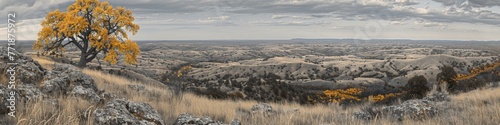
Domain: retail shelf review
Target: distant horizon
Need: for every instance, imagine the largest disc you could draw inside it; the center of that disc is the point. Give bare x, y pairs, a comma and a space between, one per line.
297, 39
461, 20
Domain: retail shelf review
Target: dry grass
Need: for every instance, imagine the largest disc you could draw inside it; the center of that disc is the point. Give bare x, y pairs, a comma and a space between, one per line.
224, 110
476, 107
45, 62
69, 111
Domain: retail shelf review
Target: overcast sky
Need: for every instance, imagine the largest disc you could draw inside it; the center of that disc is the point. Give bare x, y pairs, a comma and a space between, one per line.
286, 19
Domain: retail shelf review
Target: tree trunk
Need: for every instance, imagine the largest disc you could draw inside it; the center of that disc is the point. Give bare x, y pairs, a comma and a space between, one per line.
83, 61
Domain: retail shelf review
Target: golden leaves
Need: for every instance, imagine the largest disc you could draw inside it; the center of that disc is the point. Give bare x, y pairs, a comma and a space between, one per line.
98, 24
476, 71
337, 96
348, 95
131, 50
184, 70
111, 57
381, 97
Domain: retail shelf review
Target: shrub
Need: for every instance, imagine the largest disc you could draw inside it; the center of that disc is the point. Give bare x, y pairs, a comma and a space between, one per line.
447, 75
417, 87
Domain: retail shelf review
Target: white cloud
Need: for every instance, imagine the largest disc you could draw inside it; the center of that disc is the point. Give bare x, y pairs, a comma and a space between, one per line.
264, 13
219, 18
291, 17
288, 23
398, 23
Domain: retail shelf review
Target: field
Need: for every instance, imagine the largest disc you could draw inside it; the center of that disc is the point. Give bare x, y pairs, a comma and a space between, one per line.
475, 107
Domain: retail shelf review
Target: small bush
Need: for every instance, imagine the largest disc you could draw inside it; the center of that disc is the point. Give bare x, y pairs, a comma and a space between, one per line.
417, 87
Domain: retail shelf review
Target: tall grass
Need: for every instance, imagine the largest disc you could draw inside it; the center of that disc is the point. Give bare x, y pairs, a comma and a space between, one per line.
476, 107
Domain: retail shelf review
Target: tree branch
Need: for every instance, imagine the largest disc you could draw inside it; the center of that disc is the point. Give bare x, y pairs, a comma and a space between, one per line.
73, 40
92, 56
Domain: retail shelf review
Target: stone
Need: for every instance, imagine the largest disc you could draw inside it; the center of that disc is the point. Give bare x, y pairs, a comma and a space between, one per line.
29, 92
23, 92
86, 93
187, 118
138, 88
108, 96
363, 115
368, 113
262, 108
4, 95
415, 109
28, 71
235, 122
64, 78
438, 97
121, 111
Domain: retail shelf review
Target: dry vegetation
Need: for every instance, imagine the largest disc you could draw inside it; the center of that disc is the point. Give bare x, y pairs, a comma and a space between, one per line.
44, 62
476, 107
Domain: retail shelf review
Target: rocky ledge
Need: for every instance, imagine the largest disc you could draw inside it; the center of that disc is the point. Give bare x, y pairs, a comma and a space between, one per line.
33, 82
415, 109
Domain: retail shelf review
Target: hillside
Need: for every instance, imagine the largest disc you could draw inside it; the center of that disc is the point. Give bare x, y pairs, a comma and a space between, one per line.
476, 107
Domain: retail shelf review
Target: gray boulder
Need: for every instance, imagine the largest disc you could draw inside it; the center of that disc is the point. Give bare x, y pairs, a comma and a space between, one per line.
187, 119
262, 108
120, 112
29, 92
363, 115
86, 93
4, 103
235, 122
438, 97
138, 88
24, 92
265, 110
28, 71
415, 109
64, 78
108, 96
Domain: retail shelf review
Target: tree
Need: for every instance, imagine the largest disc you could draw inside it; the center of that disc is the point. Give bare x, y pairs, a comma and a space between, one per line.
417, 87
446, 76
93, 27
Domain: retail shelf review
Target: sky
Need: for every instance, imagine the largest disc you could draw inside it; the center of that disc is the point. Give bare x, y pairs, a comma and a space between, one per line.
285, 19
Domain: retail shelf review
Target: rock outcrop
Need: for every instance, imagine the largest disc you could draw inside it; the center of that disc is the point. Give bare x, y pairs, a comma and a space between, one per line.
69, 80
86, 93
438, 97
64, 78
27, 70
187, 118
120, 111
267, 110
26, 73
263, 108
34, 82
138, 88
415, 109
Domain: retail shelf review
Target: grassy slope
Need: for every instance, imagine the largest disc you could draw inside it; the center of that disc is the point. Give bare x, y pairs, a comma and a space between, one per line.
476, 107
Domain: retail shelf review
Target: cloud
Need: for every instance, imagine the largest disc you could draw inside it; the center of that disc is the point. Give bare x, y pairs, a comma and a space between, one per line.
219, 18
291, 17
217, 21
473, 3
30, 9
288, 23
456, 11
398, 23
370, 9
